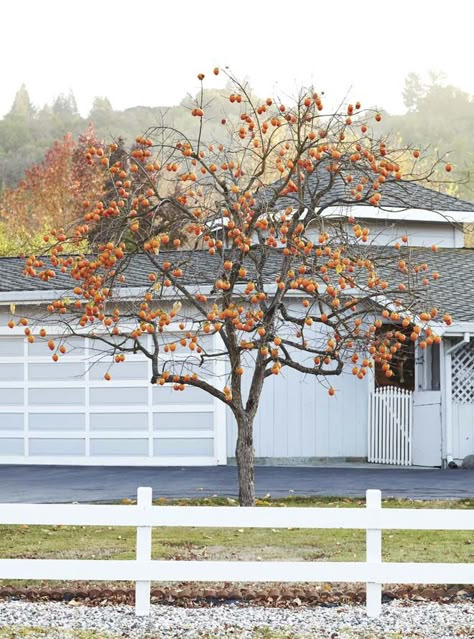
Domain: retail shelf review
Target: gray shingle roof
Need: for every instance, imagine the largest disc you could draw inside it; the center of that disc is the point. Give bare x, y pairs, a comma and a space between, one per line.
395, 193
453, 292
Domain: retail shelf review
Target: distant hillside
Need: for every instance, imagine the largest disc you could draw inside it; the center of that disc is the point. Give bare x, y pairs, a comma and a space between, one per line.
26, 133
439, 116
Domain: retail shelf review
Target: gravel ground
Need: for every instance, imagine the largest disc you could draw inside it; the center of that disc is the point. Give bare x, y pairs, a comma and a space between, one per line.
399, 620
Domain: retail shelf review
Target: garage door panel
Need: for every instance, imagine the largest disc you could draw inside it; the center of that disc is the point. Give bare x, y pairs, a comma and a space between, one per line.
183, 421
206, 342
11, 372
75, 347
96, 349
57, 421
125, 370
12, 346
49, 447
39, 348
11, 421
118, 421
56, 396
186, 364
190, 447
191, 395
119, 447
118, 396
10, 446
11, 396
54, 371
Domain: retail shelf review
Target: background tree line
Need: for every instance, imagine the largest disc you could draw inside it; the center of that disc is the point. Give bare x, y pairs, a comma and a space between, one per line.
27, 132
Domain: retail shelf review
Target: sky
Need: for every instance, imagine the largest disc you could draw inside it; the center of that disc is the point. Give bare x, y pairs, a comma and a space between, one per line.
148, 52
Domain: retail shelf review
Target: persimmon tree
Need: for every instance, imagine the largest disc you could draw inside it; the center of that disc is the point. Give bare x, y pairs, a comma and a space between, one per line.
233, 240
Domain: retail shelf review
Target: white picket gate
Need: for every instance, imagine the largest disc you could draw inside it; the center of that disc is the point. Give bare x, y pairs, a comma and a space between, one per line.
390, 426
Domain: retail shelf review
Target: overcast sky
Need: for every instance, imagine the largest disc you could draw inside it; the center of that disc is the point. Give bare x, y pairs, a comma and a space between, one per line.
148, 52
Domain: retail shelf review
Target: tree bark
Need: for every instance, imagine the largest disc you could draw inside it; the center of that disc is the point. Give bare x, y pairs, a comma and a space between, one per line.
245, 461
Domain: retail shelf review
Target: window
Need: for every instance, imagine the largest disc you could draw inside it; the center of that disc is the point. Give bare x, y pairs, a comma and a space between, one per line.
431, 378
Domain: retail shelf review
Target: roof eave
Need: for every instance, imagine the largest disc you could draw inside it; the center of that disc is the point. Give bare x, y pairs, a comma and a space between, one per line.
388, 214
459, 328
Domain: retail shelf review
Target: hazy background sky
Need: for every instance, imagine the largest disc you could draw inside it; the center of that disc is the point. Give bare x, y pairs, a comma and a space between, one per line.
148, 52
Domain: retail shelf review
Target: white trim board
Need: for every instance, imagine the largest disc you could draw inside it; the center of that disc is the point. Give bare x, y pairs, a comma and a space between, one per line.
400, 214
118, 460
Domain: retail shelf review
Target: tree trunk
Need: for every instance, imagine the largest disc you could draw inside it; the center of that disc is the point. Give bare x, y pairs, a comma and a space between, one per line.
245, 461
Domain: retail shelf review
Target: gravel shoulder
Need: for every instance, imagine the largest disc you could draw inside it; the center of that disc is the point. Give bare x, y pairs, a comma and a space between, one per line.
399, 620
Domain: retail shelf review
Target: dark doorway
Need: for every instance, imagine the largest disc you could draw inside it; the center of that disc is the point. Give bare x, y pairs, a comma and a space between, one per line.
402, 363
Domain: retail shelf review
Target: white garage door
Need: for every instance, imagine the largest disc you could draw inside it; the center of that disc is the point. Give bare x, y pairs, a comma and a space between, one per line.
66, 413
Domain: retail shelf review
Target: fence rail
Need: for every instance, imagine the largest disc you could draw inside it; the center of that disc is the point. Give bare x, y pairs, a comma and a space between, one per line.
143, 570
390, 426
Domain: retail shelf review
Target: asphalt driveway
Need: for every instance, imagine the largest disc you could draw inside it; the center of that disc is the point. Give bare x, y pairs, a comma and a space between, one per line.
66, 484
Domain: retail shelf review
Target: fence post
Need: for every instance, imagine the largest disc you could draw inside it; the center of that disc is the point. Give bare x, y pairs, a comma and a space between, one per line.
143, 553
374, 555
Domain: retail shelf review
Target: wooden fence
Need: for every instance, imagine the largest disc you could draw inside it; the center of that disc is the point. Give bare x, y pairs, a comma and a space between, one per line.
143, 570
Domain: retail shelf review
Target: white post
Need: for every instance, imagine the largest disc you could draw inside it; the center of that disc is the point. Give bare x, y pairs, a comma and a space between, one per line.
374, 555
143, 553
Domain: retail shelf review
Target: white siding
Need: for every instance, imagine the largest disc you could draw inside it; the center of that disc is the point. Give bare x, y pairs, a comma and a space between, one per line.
297, 418
426, 234
419, 234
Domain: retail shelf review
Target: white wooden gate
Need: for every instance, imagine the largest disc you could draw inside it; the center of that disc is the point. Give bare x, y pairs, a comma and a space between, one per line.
390, 426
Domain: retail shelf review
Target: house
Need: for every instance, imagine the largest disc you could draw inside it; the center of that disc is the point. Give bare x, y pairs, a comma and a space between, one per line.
66, 413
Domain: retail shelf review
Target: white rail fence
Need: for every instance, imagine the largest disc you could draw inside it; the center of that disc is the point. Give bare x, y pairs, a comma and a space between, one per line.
390, 426
144, 516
